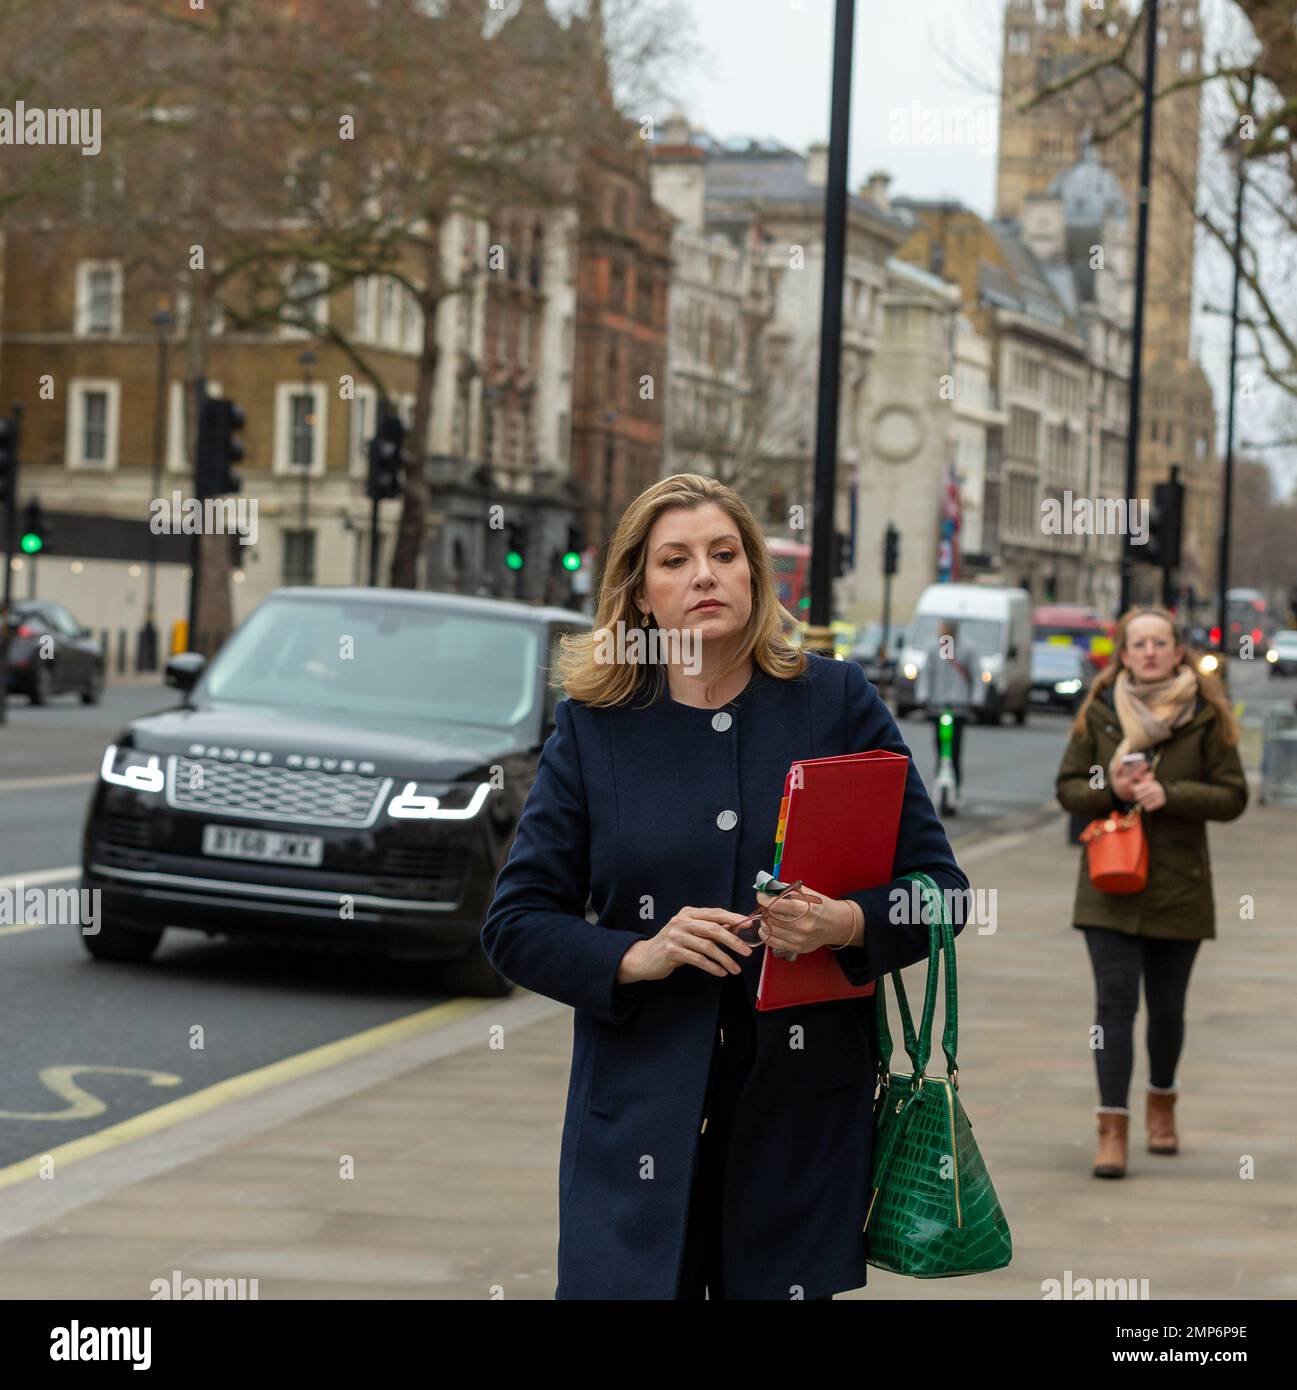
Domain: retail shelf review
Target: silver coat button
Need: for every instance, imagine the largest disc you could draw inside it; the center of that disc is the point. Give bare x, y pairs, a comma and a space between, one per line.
722, 721
727, 820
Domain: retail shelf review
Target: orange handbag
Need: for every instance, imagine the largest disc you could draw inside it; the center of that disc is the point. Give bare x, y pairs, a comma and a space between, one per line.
1117, 852
1116, 848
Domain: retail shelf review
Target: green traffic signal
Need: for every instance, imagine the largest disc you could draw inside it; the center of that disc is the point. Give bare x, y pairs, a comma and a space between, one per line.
31, 544
572, 560
804, 601
514, 560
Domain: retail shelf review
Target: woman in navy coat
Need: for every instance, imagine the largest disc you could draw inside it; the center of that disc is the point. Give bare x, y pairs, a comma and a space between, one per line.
705, 1146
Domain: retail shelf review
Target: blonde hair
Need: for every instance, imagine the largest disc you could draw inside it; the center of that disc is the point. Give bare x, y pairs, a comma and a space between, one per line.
766, 641
1209, 687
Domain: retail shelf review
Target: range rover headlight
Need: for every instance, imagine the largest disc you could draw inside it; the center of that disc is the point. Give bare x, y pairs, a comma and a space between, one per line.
412, 804
125, 767
911, 671
1068, 687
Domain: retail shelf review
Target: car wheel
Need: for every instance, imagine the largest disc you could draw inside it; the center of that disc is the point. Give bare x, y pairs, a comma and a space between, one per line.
473, 974
39, 694
1020, 716
90, 695
115, 940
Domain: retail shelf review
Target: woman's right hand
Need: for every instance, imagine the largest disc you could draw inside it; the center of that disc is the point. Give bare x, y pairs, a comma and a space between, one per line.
698, 936
1125, 778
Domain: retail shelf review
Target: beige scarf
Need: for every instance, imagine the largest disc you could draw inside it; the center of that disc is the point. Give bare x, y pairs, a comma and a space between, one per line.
1149, 710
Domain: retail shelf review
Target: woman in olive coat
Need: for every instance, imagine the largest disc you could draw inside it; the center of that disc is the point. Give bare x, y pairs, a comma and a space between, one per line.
1149, 701
708, 1149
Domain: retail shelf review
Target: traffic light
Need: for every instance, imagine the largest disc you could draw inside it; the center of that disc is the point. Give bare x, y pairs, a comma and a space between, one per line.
842, 558
891, 549
385, 462
515, 555
219, 422
575, 545
8, 459
35, 536
1165, 524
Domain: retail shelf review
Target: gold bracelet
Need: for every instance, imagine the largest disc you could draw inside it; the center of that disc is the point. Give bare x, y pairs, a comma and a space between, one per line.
854, 924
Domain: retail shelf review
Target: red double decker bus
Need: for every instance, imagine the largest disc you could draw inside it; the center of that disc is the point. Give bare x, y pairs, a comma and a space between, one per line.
791, 561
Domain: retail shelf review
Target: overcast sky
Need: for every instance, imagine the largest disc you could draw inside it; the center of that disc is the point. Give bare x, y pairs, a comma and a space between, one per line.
766, 66
764, 69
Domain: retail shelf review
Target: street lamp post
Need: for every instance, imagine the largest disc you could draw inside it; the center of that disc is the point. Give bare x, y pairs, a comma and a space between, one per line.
146, 652
306, 360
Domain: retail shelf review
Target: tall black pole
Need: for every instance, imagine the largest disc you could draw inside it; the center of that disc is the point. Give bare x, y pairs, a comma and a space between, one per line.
1141, 257
1227, 481
10, 515
819, 637
146, 658
195, 547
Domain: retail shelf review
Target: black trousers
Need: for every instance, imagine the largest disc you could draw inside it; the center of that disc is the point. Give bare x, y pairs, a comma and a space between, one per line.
956, 743
1118, 961
701, 1272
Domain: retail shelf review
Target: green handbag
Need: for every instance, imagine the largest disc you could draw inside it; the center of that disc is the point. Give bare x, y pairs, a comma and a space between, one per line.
933, 1212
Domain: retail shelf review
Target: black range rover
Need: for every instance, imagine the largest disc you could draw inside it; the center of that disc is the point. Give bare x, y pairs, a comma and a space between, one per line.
347, 772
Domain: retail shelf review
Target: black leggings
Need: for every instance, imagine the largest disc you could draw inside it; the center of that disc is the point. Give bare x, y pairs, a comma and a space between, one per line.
1118, 961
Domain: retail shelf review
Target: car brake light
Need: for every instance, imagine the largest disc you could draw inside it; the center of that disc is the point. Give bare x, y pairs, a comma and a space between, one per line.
1214, 635
26, 630
1256, 634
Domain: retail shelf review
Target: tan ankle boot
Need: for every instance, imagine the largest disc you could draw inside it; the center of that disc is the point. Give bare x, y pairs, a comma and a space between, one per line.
1114, 1128
1160, 1119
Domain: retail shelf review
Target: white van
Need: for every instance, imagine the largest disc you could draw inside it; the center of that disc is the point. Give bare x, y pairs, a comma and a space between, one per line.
996, 622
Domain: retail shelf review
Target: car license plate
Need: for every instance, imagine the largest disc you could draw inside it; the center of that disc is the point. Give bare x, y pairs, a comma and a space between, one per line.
242, 842
1039, 697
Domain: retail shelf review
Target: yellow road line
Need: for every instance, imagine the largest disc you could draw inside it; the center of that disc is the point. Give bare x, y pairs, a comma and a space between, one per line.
240, 1087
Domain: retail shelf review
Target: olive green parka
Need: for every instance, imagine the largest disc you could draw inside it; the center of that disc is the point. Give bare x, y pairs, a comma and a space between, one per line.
1204, 780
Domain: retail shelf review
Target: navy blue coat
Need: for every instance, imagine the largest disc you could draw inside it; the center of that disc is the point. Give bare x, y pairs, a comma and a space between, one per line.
626, 813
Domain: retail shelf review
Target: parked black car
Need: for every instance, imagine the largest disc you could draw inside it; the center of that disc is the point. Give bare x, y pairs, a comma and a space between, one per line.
1060, 676
51, 653
347, 773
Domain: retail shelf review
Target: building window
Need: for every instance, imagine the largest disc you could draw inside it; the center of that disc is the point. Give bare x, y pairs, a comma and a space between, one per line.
362, 298
299, 557
1024, 430
99, 299
388, 326
1188, 60
1019, 41
301, 431
93, 412
306, 304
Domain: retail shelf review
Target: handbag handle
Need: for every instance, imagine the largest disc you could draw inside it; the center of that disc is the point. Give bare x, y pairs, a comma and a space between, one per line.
941, 940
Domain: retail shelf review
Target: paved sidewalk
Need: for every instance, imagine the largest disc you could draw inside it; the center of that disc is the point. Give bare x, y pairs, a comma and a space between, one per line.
455, 1143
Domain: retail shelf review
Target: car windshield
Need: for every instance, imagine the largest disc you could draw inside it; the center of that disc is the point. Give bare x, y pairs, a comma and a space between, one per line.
982, 634
1047, 657
380, 662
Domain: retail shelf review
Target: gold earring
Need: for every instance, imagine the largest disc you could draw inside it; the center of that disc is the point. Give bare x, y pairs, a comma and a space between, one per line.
644, 620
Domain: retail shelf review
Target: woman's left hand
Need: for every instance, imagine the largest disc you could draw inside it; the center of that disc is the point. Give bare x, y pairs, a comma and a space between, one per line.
1150, 794
823, 923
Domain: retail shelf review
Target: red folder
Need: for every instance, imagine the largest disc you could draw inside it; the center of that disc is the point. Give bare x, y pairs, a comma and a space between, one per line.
837, 833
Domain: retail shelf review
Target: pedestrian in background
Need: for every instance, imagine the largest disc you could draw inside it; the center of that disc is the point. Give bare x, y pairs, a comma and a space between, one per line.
946, 684
708, 1149
1151, 701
